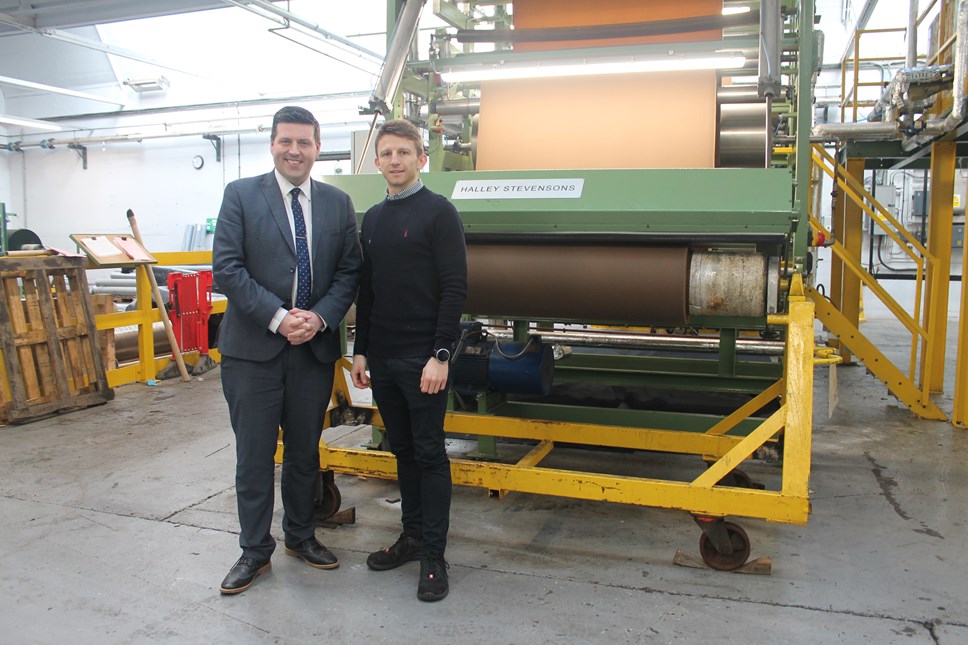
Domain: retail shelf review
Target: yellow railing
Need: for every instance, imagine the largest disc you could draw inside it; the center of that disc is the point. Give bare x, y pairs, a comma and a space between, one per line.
850, 95
879, 216
145, 316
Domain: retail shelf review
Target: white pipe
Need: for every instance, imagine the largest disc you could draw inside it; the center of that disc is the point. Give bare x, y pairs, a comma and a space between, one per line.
864, 131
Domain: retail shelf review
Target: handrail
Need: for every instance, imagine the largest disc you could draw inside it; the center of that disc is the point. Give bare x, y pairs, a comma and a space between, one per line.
878, 214
863, 192
851, 96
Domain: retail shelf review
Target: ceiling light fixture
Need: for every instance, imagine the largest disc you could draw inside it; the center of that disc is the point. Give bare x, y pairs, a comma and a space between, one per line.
16, 82
29, 123
666, 64
141, 85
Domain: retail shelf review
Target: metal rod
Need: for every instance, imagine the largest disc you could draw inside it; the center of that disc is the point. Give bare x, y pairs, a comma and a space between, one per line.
912, 34
647, 341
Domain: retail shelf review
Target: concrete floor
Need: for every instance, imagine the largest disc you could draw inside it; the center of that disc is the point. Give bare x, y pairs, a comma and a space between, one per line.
119, 523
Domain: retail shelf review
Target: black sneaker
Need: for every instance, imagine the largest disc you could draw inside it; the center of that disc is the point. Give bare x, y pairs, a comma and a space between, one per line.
433, 578
405, 549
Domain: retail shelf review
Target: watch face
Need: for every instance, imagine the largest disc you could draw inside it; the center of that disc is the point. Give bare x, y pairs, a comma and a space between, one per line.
442, 355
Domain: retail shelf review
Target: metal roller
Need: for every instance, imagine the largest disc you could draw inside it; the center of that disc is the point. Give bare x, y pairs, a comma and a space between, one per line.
743, 135
738, 94
730, 284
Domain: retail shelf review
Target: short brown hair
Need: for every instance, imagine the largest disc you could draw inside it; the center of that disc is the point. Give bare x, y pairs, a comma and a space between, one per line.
400, 128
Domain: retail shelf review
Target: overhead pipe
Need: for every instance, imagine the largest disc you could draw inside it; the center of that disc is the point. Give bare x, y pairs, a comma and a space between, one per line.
893, 97
959, 99
311, 28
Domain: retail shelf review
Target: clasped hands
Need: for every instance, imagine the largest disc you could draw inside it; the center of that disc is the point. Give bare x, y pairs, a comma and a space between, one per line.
300, 326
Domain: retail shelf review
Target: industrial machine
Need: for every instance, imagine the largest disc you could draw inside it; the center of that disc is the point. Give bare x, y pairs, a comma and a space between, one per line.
686, 282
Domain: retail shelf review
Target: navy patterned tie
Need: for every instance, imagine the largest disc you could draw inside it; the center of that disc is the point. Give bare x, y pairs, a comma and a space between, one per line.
304, 278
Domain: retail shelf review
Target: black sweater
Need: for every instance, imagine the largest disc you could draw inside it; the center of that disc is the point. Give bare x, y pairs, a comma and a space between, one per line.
414, 281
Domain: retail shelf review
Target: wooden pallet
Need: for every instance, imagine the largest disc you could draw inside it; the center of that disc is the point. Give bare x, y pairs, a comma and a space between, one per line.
51, 361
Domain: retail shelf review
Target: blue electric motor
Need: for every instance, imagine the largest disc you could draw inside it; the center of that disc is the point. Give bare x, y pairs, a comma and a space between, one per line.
512, 368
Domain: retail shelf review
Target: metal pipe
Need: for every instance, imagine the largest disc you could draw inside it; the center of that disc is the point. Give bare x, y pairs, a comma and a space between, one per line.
959, 99
207, 106
456, 107
912, 34
396, 60
864, 131
313, 29
49, 143
771, 30
648, 341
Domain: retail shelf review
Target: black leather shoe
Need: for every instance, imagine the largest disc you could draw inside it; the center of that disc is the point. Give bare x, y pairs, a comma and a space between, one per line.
241, 575
314, 553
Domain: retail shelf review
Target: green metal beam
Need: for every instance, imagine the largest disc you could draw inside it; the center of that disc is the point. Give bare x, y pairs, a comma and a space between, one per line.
686, 422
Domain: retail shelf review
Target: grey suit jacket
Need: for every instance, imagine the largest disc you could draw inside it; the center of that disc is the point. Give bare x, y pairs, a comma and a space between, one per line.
254, 264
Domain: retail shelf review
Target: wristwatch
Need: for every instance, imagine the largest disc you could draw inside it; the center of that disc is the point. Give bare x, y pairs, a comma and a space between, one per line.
442, 354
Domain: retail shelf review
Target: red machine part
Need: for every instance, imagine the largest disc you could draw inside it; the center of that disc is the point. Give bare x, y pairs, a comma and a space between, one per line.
189, 307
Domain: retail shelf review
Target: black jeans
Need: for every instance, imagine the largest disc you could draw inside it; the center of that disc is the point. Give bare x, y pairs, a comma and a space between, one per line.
415, 431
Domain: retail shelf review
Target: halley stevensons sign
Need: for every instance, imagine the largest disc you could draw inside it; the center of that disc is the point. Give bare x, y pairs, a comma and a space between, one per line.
518, 189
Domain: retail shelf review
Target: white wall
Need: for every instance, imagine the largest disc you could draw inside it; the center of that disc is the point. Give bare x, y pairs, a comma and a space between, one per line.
55, 196
6, 193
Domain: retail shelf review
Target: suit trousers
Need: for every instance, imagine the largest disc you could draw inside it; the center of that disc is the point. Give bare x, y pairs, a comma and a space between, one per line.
292, 390
415, 431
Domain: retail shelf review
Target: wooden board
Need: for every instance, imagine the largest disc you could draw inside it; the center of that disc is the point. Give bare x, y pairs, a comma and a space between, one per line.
51, 360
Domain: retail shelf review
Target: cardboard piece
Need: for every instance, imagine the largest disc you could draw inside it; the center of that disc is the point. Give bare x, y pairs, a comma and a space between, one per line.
113, 249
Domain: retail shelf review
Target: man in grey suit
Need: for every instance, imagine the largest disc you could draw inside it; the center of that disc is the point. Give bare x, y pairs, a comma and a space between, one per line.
287, 256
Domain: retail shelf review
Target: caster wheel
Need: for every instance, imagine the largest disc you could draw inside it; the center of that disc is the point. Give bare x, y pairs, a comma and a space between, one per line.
328, 498
729, 562
740, 479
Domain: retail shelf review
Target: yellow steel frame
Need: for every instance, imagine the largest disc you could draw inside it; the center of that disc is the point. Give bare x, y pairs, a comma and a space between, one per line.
145, 316
959, 415
914, 395
701, 496
940, 225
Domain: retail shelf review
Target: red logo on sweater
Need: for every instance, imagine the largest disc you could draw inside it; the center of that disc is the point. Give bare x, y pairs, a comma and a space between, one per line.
405, 232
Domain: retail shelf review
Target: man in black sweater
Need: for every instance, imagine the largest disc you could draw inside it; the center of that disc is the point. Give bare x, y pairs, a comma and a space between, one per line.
412, 293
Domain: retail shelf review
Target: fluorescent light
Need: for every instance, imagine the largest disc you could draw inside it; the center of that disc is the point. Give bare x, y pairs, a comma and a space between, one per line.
16, 82
671, 64
734, 10
29, 123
